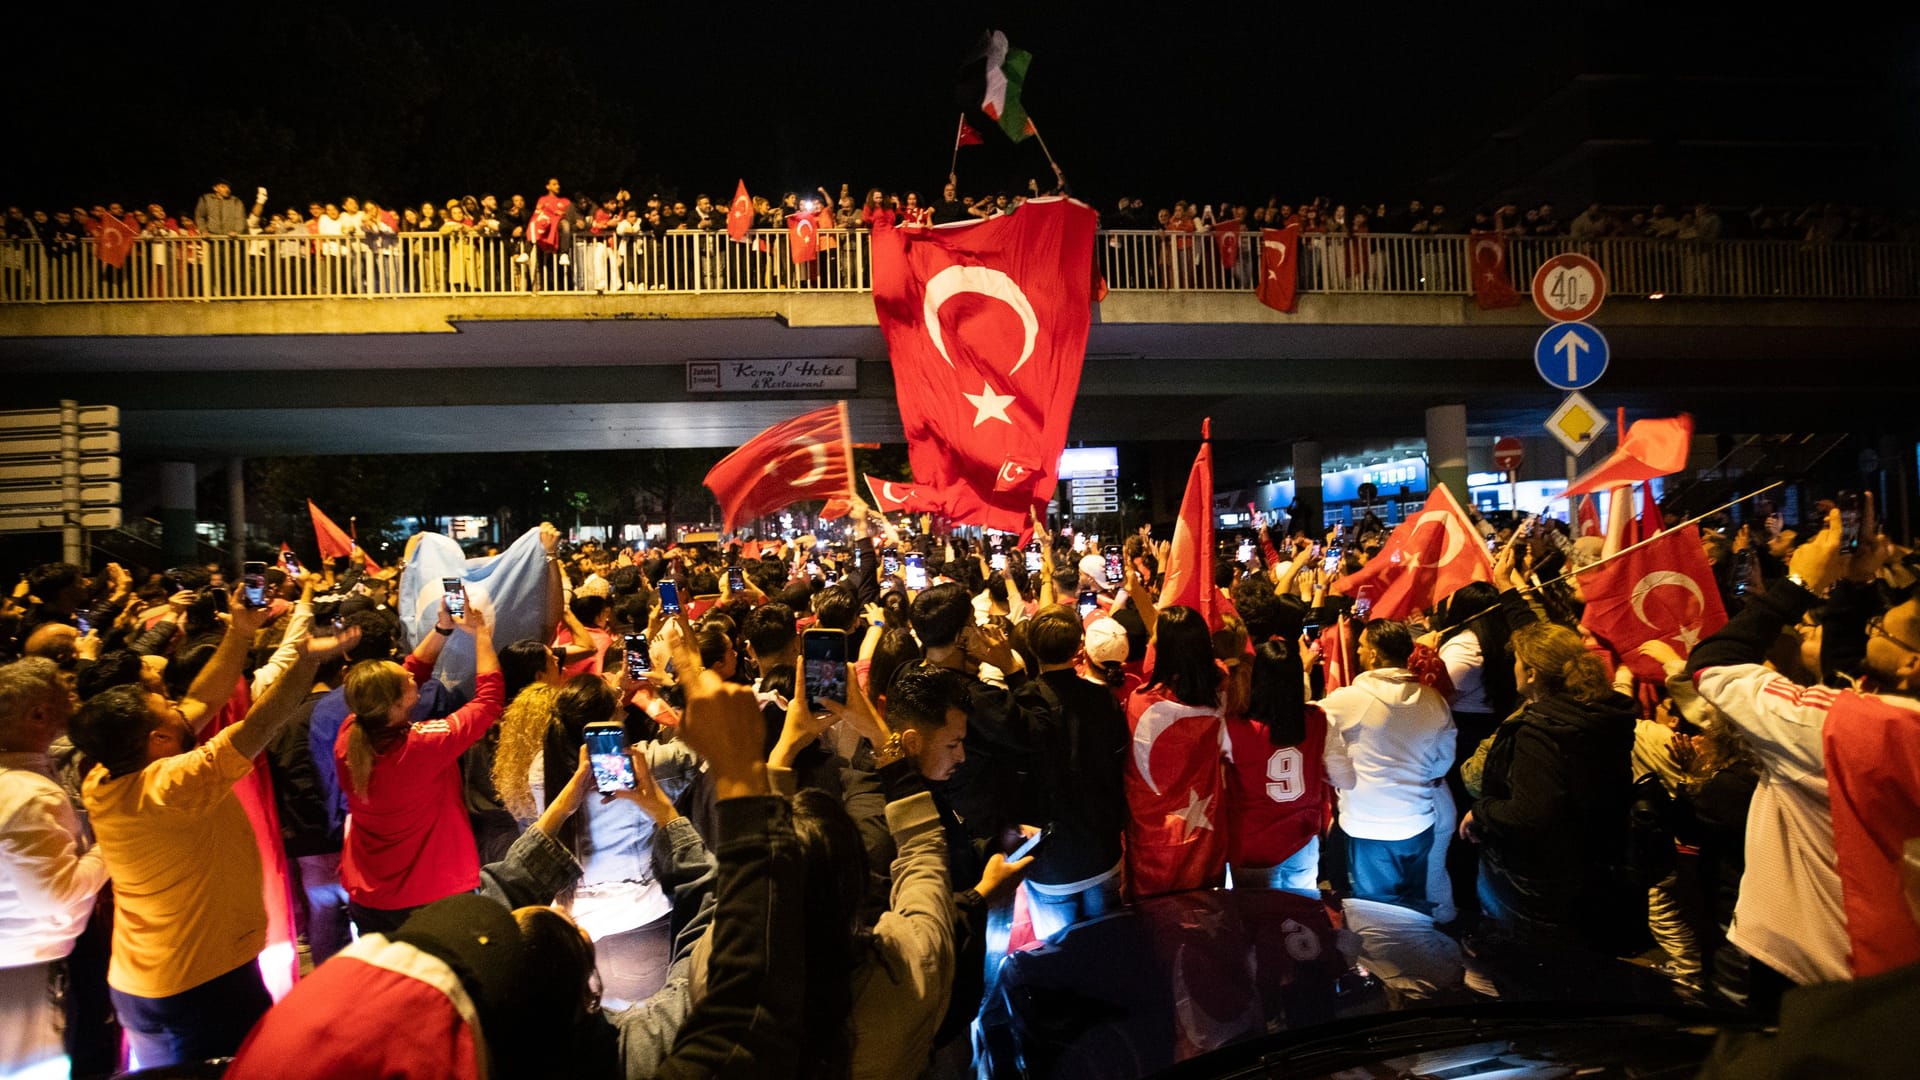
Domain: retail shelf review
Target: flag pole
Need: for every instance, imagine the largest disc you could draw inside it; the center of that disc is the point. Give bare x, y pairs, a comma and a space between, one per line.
953, 166
1042, 139
1695, 520
846, 447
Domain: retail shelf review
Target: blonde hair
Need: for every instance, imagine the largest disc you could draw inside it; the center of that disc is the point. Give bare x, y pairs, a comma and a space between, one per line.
523, 732
1561, 662
373, 688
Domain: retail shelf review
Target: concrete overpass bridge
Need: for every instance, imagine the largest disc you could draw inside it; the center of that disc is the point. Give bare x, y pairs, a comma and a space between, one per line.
1761, 342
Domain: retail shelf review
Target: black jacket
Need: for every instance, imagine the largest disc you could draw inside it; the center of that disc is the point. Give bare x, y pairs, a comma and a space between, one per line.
1552, 815
1082, 742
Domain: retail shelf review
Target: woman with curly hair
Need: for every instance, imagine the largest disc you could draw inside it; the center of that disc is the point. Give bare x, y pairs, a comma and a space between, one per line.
617, 902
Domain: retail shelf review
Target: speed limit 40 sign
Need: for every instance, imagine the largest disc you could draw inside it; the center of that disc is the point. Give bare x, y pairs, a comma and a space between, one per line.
1569, 288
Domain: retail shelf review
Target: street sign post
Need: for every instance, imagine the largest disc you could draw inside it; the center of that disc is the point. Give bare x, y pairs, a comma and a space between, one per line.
1569, 288
57, 468
1570, 356
1576, 423
1508, 453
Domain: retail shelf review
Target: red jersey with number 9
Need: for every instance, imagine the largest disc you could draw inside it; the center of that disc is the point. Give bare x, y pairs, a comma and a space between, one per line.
1276, 795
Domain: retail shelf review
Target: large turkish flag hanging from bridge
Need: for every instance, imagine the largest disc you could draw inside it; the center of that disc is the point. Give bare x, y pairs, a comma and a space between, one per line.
986, 324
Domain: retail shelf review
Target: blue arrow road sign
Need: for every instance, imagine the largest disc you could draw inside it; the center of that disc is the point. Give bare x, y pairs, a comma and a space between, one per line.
1571, 355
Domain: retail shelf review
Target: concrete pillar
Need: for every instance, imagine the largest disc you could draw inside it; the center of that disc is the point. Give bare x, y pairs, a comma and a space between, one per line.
177, 512
1447, 450
1307, 504
236, 513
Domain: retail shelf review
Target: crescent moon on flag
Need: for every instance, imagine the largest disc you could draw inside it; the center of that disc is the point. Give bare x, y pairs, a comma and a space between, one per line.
986, 281
1487, 245
816, 450
1158, 718
1656, 579
1455, 538
886, 492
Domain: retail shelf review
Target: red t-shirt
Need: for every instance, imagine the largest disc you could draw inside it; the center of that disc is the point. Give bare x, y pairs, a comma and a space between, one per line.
408, 841
1276, 795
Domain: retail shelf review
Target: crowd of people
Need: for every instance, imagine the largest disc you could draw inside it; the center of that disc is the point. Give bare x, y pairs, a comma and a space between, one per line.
749, 808
618, 242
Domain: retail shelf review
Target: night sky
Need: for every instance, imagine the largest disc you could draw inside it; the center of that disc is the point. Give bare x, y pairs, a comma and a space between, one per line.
1166, 101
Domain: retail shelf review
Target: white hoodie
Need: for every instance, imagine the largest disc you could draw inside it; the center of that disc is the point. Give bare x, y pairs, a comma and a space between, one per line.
1397, 737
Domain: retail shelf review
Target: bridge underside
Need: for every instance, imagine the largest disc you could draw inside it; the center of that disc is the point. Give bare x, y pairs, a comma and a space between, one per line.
1345, 367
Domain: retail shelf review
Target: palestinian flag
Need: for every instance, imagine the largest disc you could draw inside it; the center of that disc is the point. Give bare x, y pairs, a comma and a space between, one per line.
990, 80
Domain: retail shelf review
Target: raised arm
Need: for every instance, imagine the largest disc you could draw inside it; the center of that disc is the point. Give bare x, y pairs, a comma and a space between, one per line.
270, 713
214, 685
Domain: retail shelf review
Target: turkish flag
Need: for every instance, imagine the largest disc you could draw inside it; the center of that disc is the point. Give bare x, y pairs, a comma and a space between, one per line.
739, 214
802, 458
1337, 649
333, 540
1176, 837
801, 234
1189, 581
986, 324
1872, 752
1428, 556
1663, 589
1492, 280
113, 241
1586, 518
1650, 520
1649, 449
1279, 267
903, 497
1226, 239
966, 136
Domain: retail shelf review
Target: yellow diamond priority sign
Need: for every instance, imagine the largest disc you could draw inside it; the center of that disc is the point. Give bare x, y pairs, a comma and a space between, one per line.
1576, 423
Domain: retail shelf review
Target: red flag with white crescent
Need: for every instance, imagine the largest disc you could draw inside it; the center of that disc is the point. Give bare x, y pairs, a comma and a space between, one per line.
795, 460
1175, 787
1492, 279
113, 241
1587, 517
1226, 239
1428, 556
1663, 590
1279, 267
986, 324
903, 497
1871, 748
739, 214
802, 233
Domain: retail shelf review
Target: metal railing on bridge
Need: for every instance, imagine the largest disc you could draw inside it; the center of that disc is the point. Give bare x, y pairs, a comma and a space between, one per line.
307, 266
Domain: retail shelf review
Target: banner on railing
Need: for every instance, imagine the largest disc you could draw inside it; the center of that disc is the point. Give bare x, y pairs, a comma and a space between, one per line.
754, 376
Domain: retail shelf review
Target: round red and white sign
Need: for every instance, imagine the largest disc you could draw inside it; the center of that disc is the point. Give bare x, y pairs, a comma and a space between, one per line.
1507, 453
1569, 288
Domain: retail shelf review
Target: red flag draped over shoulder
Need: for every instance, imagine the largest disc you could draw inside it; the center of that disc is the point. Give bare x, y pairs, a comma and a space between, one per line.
1428, 556
1279, 267
1663, 590
1492, 279
1649, 449
986, 324
803, 458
